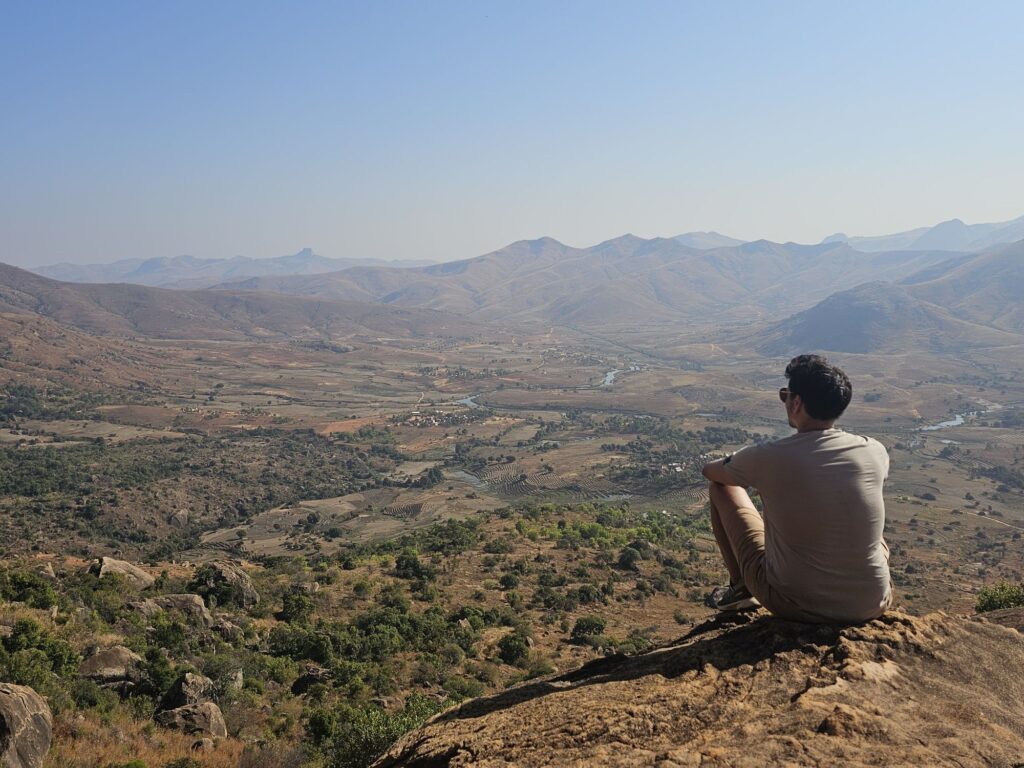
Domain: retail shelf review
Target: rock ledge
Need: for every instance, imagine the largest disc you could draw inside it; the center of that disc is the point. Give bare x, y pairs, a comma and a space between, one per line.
756, 691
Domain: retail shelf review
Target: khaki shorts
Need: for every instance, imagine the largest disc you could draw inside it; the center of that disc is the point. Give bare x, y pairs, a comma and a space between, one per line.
744, 528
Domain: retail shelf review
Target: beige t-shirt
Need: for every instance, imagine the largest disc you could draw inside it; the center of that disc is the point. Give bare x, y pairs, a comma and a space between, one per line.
823, 519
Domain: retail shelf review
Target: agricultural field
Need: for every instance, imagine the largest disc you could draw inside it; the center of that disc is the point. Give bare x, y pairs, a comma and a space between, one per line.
425, 522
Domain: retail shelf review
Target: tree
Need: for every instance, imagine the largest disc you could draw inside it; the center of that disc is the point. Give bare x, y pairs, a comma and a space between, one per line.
587, 627
514, 649
297, 607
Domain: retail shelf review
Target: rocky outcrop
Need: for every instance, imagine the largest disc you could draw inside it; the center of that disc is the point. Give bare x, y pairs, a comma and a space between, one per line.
187, 706
114, 666
203, 719
228, 582
26, 727
228, 630
313, 674
190, 605
135, 576
754, 691
189, 688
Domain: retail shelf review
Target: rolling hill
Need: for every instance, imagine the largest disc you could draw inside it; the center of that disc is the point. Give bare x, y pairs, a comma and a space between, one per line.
130, 310
985, 288
877, 317
190, 272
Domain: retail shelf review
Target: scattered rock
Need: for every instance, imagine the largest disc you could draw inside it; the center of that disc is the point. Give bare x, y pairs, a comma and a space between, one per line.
227, 580
230, 631
1008, 617
26, 727
236, 681
137, 577
179, 519
311, 675
752, 690
189, 688
204, 718
46, 571
112, 666
189, 604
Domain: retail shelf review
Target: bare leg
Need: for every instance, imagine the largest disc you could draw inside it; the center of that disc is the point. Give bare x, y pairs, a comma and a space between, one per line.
727, 497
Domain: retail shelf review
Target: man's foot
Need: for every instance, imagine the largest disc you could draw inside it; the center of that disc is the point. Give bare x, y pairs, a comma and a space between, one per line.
735, 597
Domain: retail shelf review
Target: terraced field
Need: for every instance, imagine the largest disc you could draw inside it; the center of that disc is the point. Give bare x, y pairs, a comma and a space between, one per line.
515, 480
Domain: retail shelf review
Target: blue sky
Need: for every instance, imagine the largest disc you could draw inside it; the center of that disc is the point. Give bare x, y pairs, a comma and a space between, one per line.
444, 130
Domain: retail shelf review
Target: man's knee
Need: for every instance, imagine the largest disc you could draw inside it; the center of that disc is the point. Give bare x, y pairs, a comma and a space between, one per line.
729, 497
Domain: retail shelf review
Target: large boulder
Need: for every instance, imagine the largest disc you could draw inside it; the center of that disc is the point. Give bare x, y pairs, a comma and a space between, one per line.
203, 719
754, 690
137, 577
26, 727
190, 605
313, 674
189, 688
228, 630
112, 666
227, 582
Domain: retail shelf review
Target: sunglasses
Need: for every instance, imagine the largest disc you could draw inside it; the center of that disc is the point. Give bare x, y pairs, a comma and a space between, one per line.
784, 394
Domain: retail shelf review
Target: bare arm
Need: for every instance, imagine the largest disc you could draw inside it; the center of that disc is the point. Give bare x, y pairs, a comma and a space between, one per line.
716, 472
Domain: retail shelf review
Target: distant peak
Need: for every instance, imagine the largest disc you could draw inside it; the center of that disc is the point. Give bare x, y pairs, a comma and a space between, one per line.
627, 238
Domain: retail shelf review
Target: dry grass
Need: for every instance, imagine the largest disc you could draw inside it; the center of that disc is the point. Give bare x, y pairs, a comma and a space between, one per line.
90, 741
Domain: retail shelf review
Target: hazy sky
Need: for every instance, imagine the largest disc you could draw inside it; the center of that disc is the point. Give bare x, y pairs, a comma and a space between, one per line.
445, 130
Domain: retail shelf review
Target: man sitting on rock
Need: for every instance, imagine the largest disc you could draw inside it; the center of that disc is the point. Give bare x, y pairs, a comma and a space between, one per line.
818, 554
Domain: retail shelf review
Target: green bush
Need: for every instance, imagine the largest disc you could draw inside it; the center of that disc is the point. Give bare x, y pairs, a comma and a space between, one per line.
29, 635
1001, 595
353, 737
297, 607
514, 649
587, 627
409, 566
28, 588
628, 558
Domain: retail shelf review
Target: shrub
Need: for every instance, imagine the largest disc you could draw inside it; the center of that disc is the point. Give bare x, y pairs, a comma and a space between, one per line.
409, 566
508, 581
29, 635
181, 762
353, 737
463, 687
297, 607
1001, 595
514, 649
628, 559
586, 627
28, 588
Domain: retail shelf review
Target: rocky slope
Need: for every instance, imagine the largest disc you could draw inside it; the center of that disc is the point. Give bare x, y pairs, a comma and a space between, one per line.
755, 691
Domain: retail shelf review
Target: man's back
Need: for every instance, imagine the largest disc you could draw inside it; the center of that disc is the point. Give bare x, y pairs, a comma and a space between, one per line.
823, 516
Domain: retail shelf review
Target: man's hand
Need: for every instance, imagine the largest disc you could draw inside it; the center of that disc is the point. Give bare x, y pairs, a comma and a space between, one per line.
716, 472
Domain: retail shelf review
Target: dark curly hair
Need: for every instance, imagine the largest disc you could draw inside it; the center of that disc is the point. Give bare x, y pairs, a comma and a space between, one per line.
824, 388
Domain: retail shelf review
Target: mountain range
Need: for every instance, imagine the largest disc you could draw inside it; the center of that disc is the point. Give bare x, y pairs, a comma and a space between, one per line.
190, 272
627, 280
952, 235
963, 302
773, 297
119, 310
